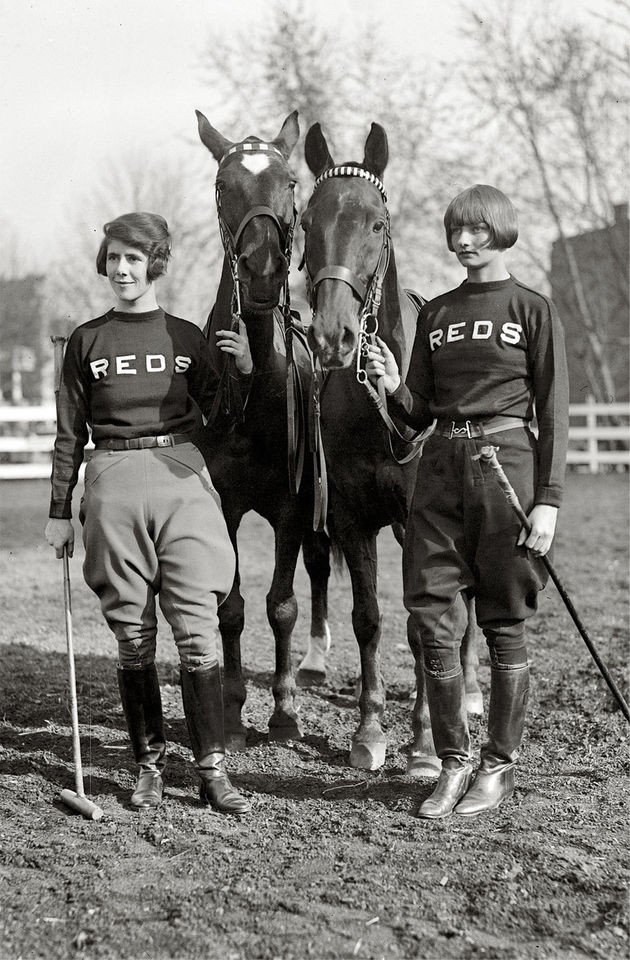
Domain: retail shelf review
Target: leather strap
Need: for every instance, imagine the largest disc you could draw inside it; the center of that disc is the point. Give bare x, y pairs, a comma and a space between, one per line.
471, 429
143, 443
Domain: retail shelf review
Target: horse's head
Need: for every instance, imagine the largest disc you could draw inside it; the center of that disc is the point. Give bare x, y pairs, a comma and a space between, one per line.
255, 205
347, 242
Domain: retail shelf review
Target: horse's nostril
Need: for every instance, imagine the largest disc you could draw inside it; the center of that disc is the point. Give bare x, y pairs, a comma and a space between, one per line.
348, 338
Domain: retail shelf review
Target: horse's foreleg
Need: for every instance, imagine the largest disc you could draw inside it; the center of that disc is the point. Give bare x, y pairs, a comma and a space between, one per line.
282, 614
470, 663
316, 553
231, 623
421, 760
368, 743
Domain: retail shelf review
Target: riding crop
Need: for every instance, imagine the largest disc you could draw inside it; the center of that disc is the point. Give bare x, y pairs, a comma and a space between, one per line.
489, 455
75, 799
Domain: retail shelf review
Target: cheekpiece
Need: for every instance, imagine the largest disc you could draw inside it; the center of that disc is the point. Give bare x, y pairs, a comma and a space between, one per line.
350, 171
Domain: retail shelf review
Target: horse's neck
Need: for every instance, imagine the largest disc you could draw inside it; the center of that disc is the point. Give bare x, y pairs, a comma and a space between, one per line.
396, 318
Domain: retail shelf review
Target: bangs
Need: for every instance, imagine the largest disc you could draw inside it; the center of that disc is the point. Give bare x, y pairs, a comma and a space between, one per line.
467, 208
483, 204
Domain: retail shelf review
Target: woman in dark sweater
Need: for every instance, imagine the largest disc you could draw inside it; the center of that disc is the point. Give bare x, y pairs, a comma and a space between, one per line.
488, 357
139, 380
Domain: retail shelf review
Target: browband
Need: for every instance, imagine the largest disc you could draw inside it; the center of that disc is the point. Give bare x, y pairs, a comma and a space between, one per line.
250, 146
350, 171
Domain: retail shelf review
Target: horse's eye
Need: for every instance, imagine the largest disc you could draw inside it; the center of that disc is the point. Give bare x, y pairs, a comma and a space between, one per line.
378, 226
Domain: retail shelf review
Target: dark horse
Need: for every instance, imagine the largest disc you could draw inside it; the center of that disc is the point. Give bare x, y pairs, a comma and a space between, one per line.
354, 290
262, 461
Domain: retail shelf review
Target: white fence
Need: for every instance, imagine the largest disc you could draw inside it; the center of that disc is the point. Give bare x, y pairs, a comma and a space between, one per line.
599, 436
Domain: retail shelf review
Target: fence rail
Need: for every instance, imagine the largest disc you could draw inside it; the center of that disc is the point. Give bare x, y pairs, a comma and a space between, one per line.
599, 437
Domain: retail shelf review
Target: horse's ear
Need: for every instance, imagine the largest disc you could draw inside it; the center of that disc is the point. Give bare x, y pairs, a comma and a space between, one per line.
316, 151
376, 150
288, 136
211, 138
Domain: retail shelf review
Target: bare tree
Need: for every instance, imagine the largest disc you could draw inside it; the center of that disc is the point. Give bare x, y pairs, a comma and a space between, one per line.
556, 97
75, 292
346, 83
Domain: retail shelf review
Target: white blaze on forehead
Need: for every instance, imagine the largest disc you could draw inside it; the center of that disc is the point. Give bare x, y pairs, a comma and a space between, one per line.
255, 163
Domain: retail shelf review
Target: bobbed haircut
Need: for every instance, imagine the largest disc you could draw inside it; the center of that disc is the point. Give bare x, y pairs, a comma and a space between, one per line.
483, 203
145, 231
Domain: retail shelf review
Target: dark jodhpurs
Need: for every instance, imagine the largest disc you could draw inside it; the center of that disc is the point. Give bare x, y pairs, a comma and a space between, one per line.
462, 534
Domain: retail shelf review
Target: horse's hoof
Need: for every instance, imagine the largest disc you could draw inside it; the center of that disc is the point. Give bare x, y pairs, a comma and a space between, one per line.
424, 766
474, 702
310, 678
283, 734
235, 742
368, 756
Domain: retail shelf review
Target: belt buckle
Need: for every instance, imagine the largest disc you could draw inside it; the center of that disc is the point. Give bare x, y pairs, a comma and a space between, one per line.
164, 440
460, 431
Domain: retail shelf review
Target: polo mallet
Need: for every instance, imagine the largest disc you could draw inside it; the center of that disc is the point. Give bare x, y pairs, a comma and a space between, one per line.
77, 800
489, 455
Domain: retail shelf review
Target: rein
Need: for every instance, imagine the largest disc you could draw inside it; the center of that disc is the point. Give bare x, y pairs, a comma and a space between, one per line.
369, 295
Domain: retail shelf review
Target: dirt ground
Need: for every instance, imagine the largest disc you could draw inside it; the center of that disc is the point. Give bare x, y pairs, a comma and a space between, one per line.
332, 862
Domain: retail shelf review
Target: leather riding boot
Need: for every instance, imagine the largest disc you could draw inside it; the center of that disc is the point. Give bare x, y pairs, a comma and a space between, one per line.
142, 706
449, 724
203, 707
494, 781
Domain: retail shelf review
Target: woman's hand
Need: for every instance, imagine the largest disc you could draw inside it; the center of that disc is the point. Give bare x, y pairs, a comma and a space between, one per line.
543, 520
382, 365
60, 534
236, 343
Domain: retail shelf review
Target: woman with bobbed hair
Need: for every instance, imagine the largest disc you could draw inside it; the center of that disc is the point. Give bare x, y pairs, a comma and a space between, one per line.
140, 379
487, 357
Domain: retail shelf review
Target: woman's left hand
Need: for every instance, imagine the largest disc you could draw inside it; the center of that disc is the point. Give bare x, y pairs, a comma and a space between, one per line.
543, 520
236, 343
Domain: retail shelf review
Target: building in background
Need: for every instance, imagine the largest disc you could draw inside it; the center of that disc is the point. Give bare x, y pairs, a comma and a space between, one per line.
602, 259
25, 350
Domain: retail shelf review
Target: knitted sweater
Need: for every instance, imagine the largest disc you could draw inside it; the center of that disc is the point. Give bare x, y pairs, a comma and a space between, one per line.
127, 375
492, 349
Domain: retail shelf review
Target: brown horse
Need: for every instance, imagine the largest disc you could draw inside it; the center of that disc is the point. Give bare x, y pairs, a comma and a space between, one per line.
262, 461
372, 462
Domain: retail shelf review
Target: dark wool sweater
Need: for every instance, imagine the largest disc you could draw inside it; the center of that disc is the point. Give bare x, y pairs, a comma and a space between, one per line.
492, 349
127, 375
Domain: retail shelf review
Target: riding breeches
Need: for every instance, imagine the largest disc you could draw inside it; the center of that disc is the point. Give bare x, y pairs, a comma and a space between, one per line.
153, 527
461, 537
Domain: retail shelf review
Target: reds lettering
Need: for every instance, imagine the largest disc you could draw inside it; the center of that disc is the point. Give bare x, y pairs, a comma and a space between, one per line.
481, 330
153, 363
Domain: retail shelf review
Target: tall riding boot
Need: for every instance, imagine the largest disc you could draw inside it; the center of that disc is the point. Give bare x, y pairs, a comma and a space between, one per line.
142, 706
494, 781
203, 707
449, 724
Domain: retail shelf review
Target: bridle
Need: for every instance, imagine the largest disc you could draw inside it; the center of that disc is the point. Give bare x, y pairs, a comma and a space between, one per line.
231, 240
369, 295
295, 414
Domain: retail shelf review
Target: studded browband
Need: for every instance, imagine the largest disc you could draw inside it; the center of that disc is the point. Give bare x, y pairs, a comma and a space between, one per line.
351, 171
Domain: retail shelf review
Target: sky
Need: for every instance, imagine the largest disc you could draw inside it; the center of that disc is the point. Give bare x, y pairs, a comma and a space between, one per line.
82, 80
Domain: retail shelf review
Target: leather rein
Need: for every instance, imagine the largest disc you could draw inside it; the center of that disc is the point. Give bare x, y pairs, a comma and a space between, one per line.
369, 295
296, 416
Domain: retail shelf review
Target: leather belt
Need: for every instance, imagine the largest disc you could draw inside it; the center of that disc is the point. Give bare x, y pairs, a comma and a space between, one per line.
469, 428
143, 443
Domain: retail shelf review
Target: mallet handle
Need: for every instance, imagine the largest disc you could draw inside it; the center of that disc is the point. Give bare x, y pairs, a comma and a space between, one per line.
489, 456
74, 710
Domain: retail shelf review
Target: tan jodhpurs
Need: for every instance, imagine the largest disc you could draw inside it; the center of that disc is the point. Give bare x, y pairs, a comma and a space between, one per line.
153, 526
